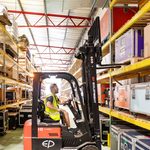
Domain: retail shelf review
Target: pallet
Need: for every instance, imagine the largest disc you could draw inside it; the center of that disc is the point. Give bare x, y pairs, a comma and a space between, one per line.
130, 61
11, 101
103, 72
133, 60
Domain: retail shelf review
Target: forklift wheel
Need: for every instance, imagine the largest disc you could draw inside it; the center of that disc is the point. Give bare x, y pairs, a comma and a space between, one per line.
90, 147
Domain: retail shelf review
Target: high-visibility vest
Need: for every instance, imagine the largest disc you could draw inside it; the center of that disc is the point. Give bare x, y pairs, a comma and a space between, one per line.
53, 114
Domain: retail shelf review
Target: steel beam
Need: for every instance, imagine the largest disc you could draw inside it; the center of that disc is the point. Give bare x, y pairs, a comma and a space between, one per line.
50, 15
55, 53
56, 59
128, 24
52, 64
54, 70
52, 26
46, 20
27, 22
51, 23
52, 46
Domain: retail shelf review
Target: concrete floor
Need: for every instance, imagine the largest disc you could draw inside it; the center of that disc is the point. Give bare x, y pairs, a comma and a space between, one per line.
13, 140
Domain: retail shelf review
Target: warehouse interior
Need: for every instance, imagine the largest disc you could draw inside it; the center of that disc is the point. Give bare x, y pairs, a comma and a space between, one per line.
74, 75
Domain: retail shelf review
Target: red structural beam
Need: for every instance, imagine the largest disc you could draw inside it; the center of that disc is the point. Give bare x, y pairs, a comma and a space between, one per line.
48, 64
53, 46
43, 14
51, 26
50, 17
56, 59
55, 70
54, 53
57, 67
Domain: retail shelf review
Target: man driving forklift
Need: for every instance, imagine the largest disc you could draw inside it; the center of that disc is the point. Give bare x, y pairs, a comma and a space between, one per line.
52, 109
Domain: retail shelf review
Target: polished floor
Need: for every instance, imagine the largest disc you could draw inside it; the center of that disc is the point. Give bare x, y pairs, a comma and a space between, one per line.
13, 140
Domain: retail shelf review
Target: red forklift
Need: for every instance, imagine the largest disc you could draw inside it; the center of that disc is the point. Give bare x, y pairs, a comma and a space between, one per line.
41, 133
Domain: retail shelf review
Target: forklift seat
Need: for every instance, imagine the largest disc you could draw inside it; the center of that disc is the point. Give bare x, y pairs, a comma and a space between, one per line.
42, 116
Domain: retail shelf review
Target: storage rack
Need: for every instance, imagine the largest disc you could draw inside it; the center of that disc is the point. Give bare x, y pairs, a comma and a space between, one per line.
6, 38
141, 18
124, 116
14, 104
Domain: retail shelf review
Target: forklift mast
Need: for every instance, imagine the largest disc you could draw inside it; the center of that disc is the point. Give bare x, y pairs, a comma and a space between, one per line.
90, 56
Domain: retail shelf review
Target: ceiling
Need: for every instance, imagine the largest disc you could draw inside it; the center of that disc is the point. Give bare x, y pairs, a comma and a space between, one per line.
53, 27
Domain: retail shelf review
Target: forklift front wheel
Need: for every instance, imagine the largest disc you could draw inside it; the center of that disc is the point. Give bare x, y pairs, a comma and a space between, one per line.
90, 147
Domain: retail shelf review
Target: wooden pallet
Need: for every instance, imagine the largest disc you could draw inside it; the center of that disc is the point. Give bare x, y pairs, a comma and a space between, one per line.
131, 61
11, 101
103, 72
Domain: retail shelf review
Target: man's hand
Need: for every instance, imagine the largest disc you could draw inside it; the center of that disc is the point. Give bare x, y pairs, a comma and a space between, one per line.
67, 102
61, 110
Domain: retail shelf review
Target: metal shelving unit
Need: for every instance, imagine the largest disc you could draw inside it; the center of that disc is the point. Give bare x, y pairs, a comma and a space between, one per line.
127, 71
8, 61
141, 18
143, 123
14, 104
14, 82
114, 2
136, 20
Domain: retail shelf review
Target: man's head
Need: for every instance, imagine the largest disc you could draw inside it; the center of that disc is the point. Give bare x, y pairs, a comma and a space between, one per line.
54, 88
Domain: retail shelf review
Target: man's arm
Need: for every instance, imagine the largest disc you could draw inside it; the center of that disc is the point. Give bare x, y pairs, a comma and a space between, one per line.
50, 105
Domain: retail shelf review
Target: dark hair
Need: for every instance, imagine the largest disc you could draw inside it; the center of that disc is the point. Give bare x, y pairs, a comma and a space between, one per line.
52, 86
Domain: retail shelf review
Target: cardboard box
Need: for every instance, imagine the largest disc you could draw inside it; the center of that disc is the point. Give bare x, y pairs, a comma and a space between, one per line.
129, 45
147, 41
122, 96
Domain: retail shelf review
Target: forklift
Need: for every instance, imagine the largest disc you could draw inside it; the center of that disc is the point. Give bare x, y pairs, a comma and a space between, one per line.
41, 133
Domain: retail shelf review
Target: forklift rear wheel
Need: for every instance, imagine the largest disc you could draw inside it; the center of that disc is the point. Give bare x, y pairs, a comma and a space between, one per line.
90, 147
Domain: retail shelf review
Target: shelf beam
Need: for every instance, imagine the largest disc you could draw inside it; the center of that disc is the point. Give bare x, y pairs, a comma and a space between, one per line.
14, 82
13, 104
126, 117
114, 2
7, 34
14, 62
139, 66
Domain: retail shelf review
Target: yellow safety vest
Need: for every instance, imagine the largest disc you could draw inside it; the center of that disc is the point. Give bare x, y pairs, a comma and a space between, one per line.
53, 114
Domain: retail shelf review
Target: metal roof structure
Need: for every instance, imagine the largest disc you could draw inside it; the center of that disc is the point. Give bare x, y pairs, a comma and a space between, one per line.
53, 27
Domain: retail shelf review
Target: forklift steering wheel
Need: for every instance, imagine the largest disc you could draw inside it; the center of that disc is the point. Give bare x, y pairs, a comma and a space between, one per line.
67, 102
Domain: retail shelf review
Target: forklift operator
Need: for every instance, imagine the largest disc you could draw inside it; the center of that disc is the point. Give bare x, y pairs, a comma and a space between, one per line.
52, 106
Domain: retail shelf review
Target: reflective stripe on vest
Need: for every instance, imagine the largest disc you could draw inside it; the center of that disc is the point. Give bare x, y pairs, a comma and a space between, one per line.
53, 114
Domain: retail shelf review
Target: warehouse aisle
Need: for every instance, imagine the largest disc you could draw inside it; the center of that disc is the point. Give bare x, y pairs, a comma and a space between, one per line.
13, 140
